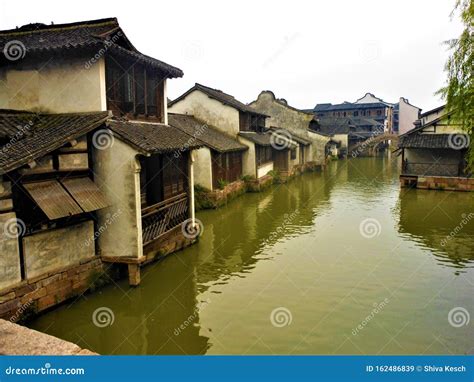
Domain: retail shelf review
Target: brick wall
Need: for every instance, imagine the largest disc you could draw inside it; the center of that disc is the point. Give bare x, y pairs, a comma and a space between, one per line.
40, 293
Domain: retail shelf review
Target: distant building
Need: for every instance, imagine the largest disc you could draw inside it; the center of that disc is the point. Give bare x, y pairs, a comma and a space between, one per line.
434, 154
395, 117
311, 145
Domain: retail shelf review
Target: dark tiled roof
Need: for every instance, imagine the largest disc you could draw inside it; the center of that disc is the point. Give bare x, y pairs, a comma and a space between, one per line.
343, 125
435, 110
304, 140
153, 138
28, 136
433, 141
209, 135
220, 96
265, 139
261, 139
348, 106
38, 38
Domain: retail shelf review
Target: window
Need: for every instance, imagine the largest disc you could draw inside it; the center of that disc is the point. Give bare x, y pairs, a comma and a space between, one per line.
264, 155
356, 113
368, 113
293, 154
174, 176
379, 112
134, 90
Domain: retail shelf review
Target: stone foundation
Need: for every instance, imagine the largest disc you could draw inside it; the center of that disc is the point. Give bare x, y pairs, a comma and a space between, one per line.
260, 184
437, 183
30, 297
218, 198
18, 340
170, 242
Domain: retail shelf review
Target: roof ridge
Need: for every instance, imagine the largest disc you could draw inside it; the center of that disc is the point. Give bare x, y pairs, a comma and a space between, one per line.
64, 26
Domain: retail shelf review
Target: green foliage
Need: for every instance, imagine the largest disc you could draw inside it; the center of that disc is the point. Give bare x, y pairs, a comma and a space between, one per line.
459, 90
247, 178
275, 174
221, 183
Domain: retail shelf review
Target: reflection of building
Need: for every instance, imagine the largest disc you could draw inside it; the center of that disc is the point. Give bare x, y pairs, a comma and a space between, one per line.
446, 230
434, 155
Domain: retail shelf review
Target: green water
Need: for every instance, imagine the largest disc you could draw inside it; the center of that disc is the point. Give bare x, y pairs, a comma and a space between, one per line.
297, 250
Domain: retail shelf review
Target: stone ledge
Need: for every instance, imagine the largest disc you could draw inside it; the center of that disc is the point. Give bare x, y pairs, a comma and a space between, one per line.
18, 340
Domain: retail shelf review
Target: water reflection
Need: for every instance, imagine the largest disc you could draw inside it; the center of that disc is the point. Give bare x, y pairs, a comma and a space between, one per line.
442, 221
296, 245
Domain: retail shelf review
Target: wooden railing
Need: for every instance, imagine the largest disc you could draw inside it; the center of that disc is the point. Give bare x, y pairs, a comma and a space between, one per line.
161, 217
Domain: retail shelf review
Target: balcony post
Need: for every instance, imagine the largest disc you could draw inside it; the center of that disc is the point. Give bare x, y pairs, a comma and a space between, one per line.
191, 188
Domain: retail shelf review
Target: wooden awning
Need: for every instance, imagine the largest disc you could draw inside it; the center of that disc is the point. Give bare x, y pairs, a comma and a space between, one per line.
53, 199
59, 199
85, 193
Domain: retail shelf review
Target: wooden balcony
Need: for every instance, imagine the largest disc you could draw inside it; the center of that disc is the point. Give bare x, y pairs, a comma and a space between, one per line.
162, 217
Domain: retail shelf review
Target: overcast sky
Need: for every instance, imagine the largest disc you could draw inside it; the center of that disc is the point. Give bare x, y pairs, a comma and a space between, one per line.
307, 52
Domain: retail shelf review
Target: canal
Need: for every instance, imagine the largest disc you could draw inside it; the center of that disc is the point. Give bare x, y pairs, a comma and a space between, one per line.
340, 262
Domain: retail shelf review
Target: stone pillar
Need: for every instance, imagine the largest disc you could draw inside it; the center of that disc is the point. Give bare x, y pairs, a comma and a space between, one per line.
134, 274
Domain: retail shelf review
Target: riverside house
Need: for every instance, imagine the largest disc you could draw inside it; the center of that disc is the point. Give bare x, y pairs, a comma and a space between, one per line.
434, 154
218, 164
93, 179
266, 152
295, 124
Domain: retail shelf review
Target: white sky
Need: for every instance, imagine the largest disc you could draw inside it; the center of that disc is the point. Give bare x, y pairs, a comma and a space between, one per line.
307, 52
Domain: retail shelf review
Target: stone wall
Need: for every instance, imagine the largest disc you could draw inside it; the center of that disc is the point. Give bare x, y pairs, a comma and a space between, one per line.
18, 340
37, 294
217, 198
438, 183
